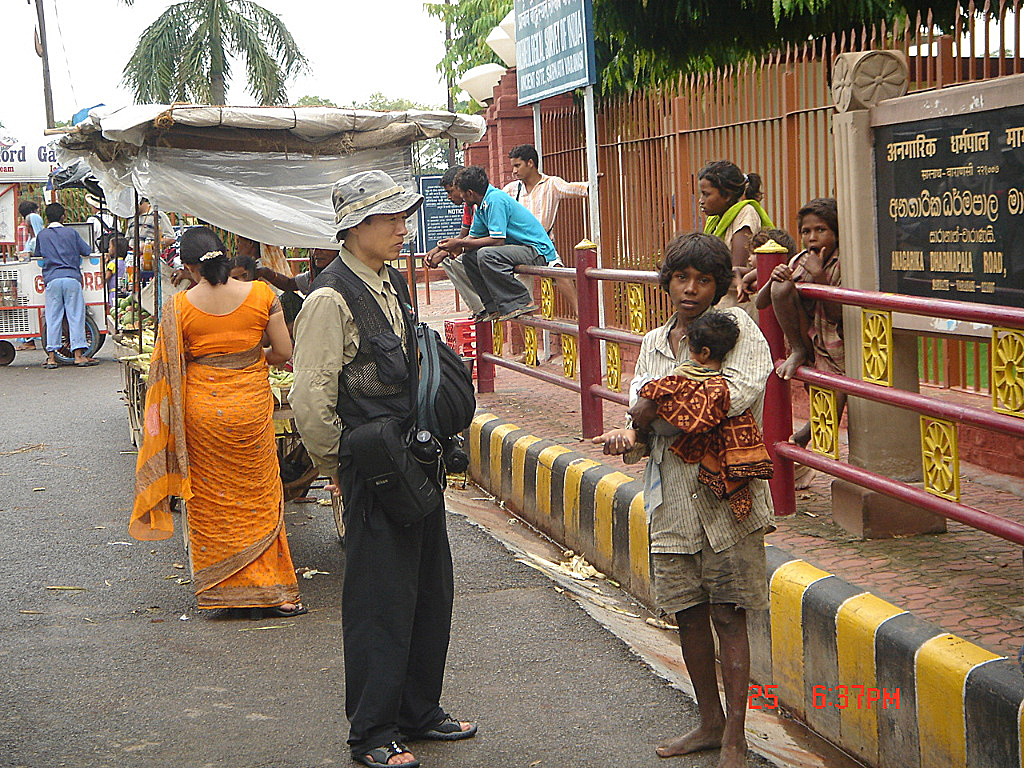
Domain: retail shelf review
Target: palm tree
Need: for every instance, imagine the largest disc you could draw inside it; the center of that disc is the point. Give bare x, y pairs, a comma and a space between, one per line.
185, 55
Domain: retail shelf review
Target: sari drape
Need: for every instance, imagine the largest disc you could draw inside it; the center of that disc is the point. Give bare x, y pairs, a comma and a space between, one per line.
209, 433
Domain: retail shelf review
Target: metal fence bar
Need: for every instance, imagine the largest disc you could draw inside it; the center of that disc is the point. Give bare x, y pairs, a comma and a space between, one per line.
912, 305
971, 516
940, 409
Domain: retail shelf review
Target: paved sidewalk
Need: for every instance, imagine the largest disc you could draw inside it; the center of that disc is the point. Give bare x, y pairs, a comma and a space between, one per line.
964, 581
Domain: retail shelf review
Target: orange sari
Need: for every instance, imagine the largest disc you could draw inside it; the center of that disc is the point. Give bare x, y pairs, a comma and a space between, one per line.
209, 438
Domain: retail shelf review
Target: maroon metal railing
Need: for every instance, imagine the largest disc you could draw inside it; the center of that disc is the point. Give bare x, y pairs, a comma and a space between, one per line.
588, 332
778, 416
777, 431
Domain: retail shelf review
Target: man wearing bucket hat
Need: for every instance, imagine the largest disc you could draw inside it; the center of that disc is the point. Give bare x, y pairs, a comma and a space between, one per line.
398, 586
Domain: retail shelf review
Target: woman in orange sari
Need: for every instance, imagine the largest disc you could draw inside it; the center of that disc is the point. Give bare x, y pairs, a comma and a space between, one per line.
209, 435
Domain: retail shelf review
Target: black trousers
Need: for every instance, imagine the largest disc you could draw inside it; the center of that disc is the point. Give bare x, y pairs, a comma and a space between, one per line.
396, 620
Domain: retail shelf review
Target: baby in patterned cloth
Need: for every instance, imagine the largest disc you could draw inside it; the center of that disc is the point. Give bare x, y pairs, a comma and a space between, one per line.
695, 399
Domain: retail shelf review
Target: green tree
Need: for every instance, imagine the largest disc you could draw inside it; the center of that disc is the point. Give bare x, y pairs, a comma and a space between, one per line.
428, 157
314, 101
637, 42
471, 22
186, 54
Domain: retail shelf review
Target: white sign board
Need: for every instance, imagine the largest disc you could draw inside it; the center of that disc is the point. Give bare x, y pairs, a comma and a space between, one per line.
8, 220
26, 161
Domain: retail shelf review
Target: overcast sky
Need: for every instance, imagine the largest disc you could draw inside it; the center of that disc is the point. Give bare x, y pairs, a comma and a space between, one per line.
354, 47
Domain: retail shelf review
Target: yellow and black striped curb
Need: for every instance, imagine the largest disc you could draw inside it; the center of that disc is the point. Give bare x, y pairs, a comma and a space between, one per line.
891, 689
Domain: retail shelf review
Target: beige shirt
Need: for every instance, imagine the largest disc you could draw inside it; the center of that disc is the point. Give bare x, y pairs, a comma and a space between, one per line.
747, 217
326, 340
689, 508
542, 201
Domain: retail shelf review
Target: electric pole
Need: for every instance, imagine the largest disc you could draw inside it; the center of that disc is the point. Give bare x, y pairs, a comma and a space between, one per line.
448, 82
41, 50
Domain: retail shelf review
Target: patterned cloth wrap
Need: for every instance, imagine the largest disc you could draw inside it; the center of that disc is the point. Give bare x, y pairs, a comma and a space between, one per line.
729, 450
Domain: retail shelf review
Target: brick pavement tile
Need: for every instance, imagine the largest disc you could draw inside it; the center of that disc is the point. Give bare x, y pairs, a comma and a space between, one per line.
963, 581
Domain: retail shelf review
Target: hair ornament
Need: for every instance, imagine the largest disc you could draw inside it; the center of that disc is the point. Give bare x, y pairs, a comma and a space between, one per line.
746, 179
211, 255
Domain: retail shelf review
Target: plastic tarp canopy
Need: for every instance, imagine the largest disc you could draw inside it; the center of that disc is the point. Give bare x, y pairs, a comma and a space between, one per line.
278, 198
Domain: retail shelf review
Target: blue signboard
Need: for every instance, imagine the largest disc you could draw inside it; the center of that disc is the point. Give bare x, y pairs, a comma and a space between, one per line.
554, 47
439, 217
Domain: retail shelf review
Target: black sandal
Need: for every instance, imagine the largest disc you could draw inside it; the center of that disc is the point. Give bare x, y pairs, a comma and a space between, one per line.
448, 729
277, 612
378, 757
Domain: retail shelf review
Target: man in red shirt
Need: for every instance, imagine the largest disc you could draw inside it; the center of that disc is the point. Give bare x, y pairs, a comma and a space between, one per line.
451, 261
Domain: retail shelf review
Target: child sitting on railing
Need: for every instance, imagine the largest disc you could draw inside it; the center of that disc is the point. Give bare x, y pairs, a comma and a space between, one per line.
813, 329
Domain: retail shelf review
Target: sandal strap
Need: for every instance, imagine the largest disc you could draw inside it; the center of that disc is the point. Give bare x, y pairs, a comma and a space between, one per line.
393, 748
448, 725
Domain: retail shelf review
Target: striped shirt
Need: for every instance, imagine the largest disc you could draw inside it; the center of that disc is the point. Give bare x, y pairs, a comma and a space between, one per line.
689, 510
542, 201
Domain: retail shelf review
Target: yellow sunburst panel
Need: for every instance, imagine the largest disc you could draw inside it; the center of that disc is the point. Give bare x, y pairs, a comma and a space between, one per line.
876, 346
530, 342
569, 356
824, 422
497, 337
1007, 379
637, 308
613, 362
940, 458
547, 297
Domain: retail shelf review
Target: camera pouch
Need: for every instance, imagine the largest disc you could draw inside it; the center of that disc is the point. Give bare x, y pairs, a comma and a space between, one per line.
399, 483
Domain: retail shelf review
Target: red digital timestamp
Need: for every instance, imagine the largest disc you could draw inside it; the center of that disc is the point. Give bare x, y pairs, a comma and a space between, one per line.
837, 696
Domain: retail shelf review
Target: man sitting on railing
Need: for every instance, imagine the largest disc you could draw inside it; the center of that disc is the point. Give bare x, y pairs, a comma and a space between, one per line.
504, 234
542, 195
451, 261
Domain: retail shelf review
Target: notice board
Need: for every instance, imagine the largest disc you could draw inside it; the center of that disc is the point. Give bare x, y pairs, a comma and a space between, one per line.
950, 196
439, 217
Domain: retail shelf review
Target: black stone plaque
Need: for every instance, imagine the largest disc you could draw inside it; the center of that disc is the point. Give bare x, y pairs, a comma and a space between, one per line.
951, 207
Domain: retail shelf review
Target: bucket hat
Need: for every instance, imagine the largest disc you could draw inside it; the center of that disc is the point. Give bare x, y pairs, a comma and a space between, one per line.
367, 193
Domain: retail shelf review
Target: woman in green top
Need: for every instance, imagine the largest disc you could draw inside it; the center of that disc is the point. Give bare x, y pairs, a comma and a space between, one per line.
730, 200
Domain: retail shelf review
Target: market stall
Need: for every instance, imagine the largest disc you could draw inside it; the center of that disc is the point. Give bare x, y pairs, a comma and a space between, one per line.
21, 281
264, 173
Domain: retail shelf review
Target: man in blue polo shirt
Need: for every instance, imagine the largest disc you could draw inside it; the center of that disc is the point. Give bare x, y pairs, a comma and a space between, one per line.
504, 234
61, 250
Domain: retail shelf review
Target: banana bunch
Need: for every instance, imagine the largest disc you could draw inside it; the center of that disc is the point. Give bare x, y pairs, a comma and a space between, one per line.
280, 380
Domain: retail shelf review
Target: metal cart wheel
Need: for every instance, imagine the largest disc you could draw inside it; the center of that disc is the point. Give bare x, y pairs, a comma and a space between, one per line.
339, 508
6, 352
93, 340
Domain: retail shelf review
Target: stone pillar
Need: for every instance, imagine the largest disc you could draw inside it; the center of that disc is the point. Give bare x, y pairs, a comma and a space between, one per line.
883, 439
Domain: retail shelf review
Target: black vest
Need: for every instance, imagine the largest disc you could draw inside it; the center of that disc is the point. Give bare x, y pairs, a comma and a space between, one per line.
381, 379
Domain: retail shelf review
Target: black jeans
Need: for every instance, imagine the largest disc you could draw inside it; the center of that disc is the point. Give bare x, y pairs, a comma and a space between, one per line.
491, 269
396, 619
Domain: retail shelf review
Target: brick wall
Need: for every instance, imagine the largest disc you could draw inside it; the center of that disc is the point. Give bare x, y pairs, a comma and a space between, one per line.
508, 125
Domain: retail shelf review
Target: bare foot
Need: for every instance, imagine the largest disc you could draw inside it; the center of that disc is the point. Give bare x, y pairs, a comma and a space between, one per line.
802, 436
788, 366
699, 739
733, 756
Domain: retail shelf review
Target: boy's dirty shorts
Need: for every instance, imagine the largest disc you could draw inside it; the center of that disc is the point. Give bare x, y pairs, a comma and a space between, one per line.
737, 575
